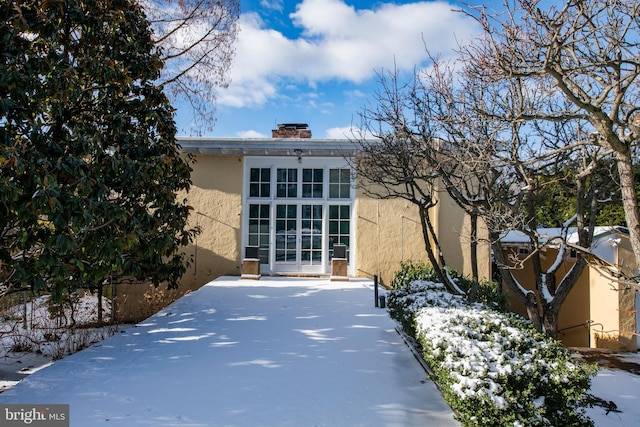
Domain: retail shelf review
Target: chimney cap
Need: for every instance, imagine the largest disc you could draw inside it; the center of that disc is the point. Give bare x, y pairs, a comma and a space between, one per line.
293, 126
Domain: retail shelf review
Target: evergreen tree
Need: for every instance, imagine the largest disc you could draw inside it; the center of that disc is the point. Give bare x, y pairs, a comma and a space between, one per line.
89, 165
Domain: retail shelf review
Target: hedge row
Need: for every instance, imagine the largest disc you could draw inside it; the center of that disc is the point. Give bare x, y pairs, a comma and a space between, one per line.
493, 368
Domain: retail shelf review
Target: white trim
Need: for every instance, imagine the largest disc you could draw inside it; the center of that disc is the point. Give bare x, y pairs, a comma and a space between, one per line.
293, 162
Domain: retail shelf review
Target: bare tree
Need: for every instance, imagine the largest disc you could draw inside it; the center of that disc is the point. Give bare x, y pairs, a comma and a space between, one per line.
493, 142
197, 43
589, 51
457, 128
392, 163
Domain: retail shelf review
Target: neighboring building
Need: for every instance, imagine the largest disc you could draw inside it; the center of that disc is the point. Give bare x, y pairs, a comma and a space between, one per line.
294, 198
601, 311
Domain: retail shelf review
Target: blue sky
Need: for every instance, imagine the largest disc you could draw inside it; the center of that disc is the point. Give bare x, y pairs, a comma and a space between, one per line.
315, 61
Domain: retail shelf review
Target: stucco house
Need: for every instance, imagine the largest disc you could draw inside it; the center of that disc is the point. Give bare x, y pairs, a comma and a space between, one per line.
601, 311
295, 198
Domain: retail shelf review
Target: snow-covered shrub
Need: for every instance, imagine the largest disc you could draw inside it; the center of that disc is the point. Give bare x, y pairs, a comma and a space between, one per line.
492, 368
489, 293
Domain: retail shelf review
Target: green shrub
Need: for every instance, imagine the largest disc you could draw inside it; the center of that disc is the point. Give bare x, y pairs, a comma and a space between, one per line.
410, 271
489, 293
493, 368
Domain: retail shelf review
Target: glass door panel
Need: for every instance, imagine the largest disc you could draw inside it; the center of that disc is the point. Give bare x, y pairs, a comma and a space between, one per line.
311, 235
339, 227
286, 234
258, 232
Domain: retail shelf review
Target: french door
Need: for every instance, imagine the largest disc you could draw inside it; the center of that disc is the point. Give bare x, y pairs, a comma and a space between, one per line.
299, 242
296, 212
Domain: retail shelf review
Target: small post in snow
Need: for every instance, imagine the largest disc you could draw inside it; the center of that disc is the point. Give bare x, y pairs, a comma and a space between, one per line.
375, 289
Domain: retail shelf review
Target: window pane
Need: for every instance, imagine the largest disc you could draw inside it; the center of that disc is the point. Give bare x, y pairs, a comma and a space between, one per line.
344, 191
292, 191
306, 190
254, 190
259, 182
334, 191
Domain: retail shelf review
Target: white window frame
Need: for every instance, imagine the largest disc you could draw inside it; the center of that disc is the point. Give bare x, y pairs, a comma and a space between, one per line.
274, 163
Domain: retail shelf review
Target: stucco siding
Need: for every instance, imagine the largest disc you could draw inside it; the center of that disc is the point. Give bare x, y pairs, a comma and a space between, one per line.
387, 232
454, 233
604, 310
574, 314
216, 198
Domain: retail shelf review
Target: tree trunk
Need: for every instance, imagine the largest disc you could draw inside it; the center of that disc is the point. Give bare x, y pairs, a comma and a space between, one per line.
550, 321
100, 303
629, 201
474, 257
526, 297
427, 237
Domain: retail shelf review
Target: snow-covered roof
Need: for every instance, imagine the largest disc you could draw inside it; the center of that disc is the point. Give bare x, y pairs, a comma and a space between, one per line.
519, 237
605, 239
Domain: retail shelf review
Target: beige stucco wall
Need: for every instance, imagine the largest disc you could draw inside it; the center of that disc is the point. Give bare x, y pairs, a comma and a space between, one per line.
387, 232
627, 298
454, 229
604, 309
597, 298
613, 303
574, 313
216, 198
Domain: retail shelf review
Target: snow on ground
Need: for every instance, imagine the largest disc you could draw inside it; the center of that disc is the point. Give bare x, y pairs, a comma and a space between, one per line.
237, 351
31, 339
621, 388
274, 352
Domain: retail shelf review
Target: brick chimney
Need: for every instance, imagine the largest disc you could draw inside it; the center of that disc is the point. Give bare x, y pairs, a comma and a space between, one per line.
291, 130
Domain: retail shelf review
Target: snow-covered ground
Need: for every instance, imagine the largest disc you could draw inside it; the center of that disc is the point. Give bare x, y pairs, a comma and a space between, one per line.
621, 388
32, 338
139, 375
274, 352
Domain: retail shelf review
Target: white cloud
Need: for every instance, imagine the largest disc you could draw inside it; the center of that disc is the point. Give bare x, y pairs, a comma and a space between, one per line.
251, 134
272, 4
338, 42
347, 132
